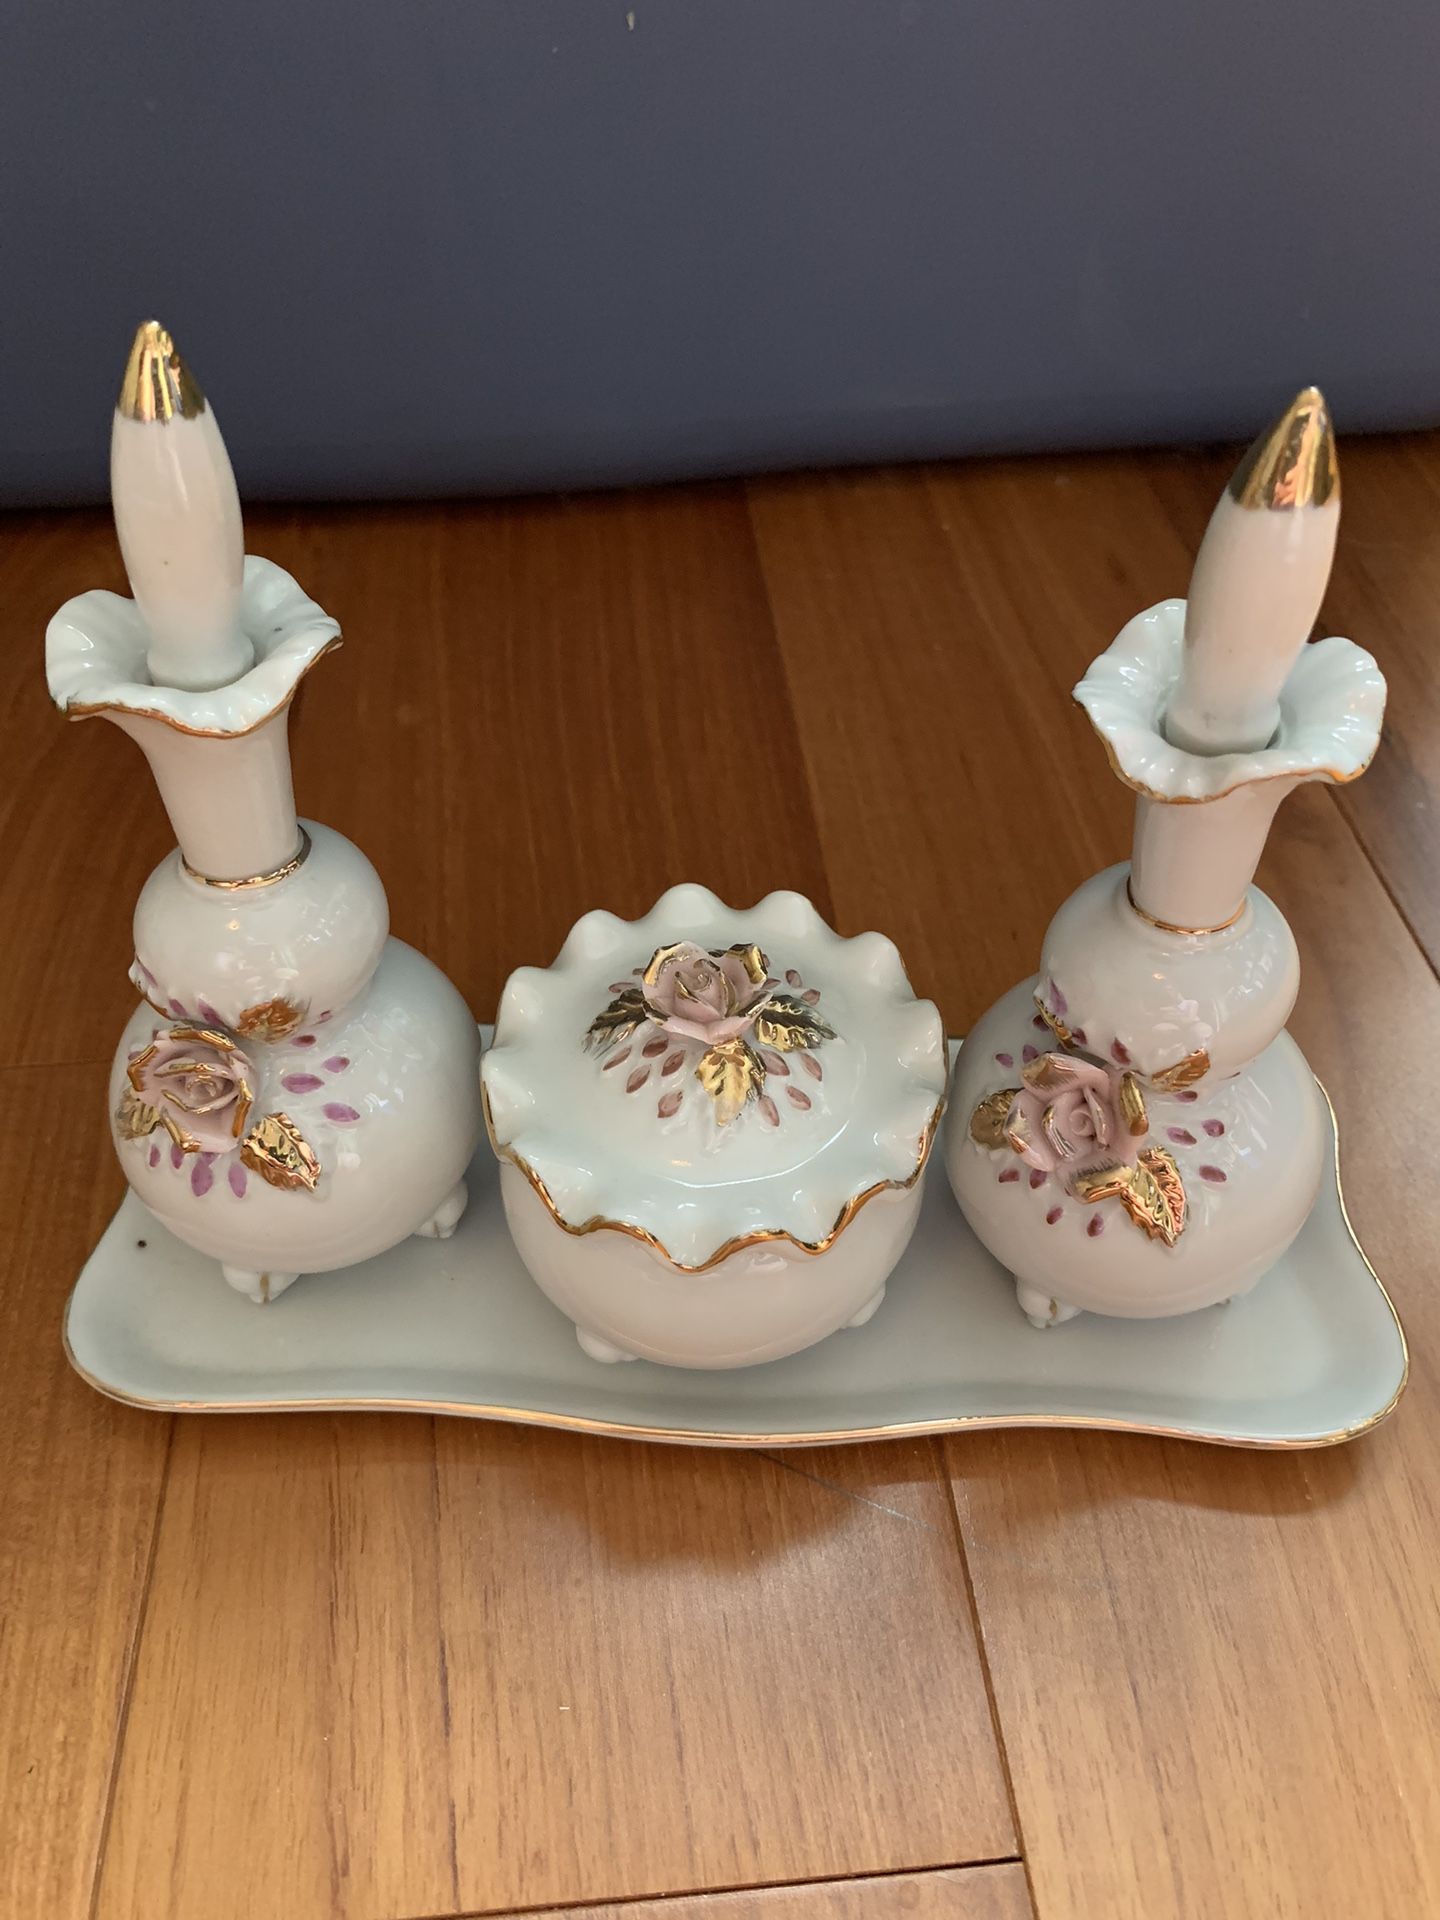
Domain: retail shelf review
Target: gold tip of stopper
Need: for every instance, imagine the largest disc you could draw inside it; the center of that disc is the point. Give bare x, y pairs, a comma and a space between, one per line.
1293, 463
157, 383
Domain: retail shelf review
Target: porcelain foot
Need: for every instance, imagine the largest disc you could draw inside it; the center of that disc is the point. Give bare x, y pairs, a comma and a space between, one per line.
1042, 1309
868, 1311
446, 1217
599, 1349
259, 1287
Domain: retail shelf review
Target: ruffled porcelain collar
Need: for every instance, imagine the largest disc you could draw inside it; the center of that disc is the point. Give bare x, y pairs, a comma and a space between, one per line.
95, 658
1331, 707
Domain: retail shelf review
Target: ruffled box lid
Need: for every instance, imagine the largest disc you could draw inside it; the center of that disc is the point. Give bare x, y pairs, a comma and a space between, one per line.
604, 1086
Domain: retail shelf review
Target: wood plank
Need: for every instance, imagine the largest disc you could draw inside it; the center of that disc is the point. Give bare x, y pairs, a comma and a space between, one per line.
565, 1669
79, 819
1211, 1670
78, 1496
765, 1677
955, 1893
1388, 587
732, 1676
286, 1749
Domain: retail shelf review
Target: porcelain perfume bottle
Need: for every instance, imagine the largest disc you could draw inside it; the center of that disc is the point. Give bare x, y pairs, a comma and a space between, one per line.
714, 1127
1132, 1131
299, 1091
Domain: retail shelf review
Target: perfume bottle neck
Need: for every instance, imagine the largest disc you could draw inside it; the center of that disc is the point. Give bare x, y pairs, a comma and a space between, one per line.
1193, 863
229, 797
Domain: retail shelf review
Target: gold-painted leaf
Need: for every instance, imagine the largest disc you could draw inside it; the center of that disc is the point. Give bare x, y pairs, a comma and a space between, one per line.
134, 1117
1151, 1192
987, 1122
271, 1020
1184, 1073
1167, 1222
1102, 1183
1146, 1196
757, 967
731, 1074
1053, 1021
1154, 1197
1132, 1107
276, 1149
786, 1024
619, 1020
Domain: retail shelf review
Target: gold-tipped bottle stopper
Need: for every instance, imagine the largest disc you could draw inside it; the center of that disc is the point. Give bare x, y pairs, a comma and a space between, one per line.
177, 514
1292, 464
1258, 582
157, 383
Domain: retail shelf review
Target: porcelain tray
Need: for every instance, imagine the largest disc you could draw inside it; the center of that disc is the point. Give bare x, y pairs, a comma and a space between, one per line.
1314, 1356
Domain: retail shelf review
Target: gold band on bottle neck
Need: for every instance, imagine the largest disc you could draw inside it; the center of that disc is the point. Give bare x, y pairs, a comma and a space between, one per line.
292, 865
1170, 926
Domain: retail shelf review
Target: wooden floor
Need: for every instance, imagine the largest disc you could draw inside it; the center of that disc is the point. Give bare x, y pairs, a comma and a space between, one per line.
388, 1668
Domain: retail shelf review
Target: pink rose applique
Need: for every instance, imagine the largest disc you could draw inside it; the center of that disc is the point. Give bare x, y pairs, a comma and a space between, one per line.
711, 997
197, 1084
1083, 1121
1068, 1117
719, 1013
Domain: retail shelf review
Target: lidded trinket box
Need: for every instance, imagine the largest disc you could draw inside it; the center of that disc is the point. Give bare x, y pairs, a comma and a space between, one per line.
1134, 1132
714, 1127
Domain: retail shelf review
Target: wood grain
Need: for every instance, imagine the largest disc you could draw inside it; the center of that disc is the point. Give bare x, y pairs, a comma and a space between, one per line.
1388, 587
531, 1668
79, 820
78, 1492
960, 1893
1215, 1676
287, 1729
768, 1675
